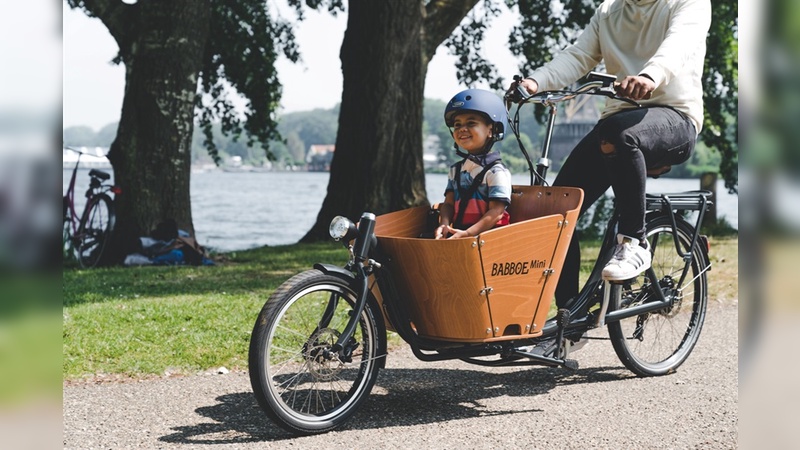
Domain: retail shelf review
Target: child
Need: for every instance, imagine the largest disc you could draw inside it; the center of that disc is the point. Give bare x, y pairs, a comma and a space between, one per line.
478, 187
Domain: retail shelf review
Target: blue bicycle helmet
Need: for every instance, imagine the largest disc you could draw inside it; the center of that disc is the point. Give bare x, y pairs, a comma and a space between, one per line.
480, 101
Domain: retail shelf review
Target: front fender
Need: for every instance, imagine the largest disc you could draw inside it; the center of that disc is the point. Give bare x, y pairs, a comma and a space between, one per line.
336, 271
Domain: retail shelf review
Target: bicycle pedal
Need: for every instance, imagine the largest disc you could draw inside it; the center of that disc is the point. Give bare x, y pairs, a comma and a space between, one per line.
571, 364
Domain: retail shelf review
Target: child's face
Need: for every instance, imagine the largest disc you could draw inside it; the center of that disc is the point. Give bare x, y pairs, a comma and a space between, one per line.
471, 132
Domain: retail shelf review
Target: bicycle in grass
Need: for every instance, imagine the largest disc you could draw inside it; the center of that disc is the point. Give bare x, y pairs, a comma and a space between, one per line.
86, 235
320, 339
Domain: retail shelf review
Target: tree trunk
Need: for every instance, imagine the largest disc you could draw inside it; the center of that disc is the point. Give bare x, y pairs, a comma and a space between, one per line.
162, 49
377, 165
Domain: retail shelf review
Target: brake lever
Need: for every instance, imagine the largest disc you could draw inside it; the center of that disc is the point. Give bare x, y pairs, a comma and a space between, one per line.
610, 92
519, 94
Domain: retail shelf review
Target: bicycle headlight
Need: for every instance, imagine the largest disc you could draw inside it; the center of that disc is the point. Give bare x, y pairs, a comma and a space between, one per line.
342, 228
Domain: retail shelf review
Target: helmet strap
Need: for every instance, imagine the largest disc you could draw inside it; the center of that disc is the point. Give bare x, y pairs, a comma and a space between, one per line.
481, 159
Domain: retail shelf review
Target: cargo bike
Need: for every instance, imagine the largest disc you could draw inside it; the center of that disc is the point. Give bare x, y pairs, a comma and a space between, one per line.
320, 339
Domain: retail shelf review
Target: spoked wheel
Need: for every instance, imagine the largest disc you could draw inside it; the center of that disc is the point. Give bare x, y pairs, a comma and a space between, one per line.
298, 380
657, 343
95, 230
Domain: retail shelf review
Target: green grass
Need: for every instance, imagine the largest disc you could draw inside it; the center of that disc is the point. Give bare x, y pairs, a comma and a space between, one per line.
143, 321
146, 320
30, 356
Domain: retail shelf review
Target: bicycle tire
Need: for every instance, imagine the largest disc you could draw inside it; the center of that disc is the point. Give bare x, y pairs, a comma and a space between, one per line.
67, 249
658, 343
299, 384
95, 231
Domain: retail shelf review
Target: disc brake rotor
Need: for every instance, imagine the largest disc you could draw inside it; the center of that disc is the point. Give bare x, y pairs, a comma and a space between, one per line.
321, 362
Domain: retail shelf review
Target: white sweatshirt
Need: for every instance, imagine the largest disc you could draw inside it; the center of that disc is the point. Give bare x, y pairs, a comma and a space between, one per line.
664, 39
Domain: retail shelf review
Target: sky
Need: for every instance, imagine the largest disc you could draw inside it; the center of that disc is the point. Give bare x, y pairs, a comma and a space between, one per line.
93, 87
26, 83
30, 48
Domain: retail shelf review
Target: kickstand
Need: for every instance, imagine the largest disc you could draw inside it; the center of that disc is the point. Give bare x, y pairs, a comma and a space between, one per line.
562, 319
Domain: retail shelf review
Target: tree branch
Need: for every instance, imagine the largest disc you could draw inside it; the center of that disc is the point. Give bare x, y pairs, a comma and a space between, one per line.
114, 14
441, 18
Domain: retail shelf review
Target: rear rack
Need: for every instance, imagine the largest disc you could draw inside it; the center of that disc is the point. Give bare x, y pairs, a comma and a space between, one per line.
681, 201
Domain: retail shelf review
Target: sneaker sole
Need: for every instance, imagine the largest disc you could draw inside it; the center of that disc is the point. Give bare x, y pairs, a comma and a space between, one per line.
625, 277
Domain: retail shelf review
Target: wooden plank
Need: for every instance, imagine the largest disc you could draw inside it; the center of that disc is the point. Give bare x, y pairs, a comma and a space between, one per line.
440, 282
516, 263
528, 202
560, 253
405, 223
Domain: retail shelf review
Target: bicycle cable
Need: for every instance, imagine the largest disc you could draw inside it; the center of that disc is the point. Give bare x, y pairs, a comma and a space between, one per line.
514, 125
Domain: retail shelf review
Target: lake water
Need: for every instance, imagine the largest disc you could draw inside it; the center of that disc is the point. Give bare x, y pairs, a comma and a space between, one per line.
236, 211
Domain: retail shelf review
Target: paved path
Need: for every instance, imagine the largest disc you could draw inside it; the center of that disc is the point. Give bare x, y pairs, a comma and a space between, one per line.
442, 405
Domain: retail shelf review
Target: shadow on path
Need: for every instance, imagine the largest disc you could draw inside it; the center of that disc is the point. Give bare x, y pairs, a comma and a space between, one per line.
401, 397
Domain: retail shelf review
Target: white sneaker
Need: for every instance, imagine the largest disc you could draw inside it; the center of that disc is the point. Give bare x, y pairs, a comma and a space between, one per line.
629, 260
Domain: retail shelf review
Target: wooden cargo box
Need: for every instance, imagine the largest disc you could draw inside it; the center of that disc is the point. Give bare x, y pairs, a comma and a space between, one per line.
495, 286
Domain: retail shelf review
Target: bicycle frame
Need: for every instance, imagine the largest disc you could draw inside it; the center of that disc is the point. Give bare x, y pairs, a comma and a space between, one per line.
96, 188
600, 84
663, 204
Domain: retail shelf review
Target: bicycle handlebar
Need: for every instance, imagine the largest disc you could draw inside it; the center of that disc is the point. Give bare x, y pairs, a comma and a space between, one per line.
598, 84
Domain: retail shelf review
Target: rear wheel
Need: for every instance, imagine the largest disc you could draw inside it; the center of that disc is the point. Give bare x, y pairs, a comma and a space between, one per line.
299, 381
94, 231
659, 342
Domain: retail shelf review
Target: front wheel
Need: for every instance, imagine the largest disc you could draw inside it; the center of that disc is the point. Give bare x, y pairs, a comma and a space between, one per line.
298, 380
657, 343
95, 230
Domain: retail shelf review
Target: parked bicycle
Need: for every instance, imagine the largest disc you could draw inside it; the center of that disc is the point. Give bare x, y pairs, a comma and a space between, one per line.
86, 235
320, 339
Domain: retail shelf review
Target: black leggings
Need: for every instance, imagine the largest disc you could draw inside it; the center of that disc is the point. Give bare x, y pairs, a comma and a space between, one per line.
617, 153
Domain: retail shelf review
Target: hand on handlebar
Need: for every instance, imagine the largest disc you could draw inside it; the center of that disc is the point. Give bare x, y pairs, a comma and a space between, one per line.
635, 87
520, 89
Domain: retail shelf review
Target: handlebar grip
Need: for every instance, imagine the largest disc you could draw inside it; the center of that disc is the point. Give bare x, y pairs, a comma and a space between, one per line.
518, 94
647, 96
521, 93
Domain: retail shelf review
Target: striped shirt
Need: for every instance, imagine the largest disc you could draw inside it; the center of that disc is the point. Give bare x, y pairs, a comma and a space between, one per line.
496, 185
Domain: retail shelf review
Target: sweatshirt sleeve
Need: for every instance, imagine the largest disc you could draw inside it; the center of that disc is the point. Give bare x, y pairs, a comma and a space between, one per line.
689, 23
573, 62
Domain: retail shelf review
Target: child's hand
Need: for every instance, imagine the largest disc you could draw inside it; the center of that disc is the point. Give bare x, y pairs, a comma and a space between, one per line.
455, 234
440, 232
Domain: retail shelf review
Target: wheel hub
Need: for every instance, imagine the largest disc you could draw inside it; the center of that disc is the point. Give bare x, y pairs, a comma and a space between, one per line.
322, 363
673, 295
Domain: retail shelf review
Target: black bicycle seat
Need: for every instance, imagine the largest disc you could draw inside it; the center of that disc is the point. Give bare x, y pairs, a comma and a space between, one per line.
99, 174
